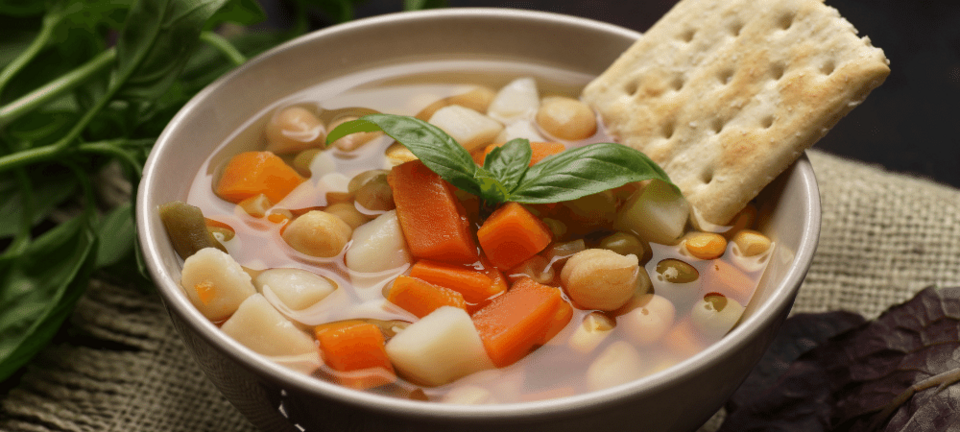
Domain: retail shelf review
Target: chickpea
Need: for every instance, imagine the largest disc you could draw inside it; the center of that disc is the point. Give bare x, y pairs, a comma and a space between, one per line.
398, 154
566, 118
303, 160
371, 190
353, 141
477, 99
294, 129
600, 279
625, 243
317, 233
349, 213
650, 320
715, 315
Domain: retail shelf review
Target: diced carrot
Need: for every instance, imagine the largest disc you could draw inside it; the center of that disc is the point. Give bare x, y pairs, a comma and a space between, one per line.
513, 323
358, 351
475, 285
540, 151
511, 235
559, 321
420, 297
249, 174
433, 221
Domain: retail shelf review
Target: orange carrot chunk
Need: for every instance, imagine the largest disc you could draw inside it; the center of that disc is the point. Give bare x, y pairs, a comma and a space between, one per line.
513, 323
431, 218
540, 151
420, 297
511, 235
356, 350
250, 174
475, 285
560, 320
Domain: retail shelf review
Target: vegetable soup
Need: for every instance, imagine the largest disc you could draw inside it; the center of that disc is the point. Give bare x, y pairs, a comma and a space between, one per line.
467, 238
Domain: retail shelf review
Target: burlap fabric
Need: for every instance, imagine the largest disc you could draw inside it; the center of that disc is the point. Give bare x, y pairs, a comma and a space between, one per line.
884, 237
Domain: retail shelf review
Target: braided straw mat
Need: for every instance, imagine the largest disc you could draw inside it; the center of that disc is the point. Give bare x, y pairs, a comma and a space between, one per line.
884, 237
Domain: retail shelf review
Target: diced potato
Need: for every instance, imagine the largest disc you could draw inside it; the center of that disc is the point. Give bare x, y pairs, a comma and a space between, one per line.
378, 245
348, 212
649, 321
566, 118
440, 348
715, 315
468, 127
618, 364
520, 129
469, 395
517, 100
593, 330
258, 326
215, 283
298, 289
657, 214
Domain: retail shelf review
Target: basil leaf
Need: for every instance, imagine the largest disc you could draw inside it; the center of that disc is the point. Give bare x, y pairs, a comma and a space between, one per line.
584, 171
437, 150
243, 12
50, 188
115, 235
508, 163
38, 289
156, 41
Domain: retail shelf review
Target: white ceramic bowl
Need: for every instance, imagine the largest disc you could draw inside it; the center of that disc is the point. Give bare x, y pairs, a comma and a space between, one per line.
679, 398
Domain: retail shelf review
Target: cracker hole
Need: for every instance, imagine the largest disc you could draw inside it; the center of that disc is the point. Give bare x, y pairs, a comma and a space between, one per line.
632, 87
777, 70
785, 21
717, 125
725, 76
767, 121
688, 35
668, 129
828, 67
677, 83
707, 175
735, 28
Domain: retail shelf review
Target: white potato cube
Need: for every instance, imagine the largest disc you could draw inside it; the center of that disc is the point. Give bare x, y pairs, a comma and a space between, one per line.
517, 100
258, 326
378, 245
649, 321
521, 129
618, 364
440, 348
215, 283
657, 214
468, 127
298, 289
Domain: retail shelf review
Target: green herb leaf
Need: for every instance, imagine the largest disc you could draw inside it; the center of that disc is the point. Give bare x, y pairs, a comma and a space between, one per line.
585, 171
243, 12
50, 188
509, 162
437, 150
412, 5
505, 176
156, 41
38, 289
115, 235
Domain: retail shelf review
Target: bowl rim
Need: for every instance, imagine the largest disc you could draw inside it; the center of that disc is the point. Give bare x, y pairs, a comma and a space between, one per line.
177, 303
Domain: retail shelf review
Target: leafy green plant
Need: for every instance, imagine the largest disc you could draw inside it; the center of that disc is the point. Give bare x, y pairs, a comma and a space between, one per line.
506, 174
87, 84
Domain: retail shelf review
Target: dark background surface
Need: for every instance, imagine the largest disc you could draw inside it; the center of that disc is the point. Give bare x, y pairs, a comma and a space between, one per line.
911, 124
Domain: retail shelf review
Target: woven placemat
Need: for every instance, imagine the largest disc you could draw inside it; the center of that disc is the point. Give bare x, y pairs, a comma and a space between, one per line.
884, 237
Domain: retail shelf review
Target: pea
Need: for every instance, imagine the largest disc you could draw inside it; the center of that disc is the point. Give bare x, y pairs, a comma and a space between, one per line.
676, 271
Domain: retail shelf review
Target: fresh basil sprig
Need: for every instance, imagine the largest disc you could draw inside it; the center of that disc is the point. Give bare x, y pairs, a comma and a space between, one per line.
506, 174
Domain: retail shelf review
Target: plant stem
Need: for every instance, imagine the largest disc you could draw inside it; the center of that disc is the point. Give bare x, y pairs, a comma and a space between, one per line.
112, 148
29, 156
55, 88
46, 31
224, 46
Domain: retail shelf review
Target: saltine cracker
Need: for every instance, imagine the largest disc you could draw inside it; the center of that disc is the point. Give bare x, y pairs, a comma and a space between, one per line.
726, 94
